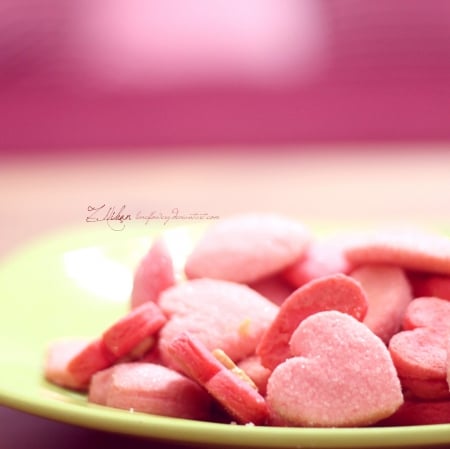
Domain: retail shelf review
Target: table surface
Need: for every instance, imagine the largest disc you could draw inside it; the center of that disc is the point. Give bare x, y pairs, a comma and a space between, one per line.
45, 194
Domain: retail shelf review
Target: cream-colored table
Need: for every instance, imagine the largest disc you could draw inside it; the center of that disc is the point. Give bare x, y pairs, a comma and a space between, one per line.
43, 194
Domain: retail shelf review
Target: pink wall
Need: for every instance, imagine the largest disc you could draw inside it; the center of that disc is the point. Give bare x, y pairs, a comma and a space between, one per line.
127, 73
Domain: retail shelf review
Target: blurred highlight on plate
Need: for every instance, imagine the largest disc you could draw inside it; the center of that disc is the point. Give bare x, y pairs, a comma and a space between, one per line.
148, 75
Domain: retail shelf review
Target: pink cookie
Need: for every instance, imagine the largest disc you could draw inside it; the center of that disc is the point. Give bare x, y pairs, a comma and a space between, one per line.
275, 288
334, 292
194, 358
341, 375
411, 250
59, 355
420, 351
241, 400
93, 357
153, 275
428, 389
133, 329
418, 413
221, 314
448, 362
428, 312
322, 258
420, 354
248, 247
73, 362
258, 373
100, 384
149, 388
430, 285
151, 356
388, 294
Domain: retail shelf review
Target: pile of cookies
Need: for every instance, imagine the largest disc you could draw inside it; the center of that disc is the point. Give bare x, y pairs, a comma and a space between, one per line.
272, 325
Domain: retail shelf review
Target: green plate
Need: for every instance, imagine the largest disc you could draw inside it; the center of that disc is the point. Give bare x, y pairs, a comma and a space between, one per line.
78, 282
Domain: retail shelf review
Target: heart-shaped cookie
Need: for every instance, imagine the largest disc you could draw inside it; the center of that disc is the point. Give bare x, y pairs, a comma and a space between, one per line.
333, 292
341, 376
420, 351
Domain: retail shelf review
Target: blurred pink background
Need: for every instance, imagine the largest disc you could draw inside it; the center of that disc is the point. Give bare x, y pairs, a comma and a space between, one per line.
115, 74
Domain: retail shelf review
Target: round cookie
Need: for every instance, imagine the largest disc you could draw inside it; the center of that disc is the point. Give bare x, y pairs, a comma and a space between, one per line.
334, 292
221, 314
247, 247
388, 294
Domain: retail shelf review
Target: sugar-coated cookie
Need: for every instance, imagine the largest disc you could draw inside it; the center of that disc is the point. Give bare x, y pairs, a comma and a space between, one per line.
248, 247
149, 388
222, 314
333, 292
341, 375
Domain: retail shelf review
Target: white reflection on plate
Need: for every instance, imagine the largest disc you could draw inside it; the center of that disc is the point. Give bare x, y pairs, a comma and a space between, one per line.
92, 270
96, 271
